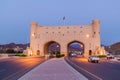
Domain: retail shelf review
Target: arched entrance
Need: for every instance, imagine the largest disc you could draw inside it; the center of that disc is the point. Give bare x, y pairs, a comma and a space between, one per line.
75, 48
52, 48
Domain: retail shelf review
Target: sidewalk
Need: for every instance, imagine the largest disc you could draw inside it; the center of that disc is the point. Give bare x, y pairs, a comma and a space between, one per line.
54, 69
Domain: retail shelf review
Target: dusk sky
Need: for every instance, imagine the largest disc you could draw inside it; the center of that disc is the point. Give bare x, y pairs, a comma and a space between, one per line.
16, 15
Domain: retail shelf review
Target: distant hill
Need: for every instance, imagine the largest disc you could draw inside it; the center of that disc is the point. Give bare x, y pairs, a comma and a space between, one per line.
13, 45
114, 48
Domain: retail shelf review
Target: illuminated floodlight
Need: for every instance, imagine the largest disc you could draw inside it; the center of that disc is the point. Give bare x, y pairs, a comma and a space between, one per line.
33, 35
87, 35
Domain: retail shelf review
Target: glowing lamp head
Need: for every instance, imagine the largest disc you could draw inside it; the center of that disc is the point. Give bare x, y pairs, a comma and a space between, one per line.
81, 46
57, 46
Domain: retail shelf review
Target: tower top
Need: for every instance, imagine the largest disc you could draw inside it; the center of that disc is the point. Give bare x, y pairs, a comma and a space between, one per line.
96, 21
33, 23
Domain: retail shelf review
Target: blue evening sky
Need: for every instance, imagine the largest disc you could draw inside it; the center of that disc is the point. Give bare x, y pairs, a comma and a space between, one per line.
16, 15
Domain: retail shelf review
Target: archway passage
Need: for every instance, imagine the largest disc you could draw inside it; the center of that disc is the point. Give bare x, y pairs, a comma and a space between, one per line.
75, 49
52, 48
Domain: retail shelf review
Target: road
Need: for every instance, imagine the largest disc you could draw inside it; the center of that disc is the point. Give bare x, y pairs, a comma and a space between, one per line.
13, 68
104, 70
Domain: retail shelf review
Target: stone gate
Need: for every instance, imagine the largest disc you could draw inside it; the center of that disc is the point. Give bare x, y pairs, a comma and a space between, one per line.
42, 36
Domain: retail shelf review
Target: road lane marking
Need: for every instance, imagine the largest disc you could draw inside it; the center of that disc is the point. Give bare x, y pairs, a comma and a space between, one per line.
87, 71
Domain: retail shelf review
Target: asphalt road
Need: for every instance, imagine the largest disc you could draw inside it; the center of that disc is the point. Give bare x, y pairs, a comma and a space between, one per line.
104, 70
13, 68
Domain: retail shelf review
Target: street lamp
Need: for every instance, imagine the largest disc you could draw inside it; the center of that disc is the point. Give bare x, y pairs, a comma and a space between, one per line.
57, 46
109, 49
81, 46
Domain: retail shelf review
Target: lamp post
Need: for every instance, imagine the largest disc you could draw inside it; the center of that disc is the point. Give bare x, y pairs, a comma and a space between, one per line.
109, 49
57, 48
82, 47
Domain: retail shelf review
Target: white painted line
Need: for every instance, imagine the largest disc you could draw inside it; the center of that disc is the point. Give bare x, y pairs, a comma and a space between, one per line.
87, 72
